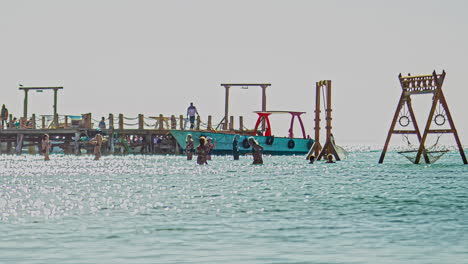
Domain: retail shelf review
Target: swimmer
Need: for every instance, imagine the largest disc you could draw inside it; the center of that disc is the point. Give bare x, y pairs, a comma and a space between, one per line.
210, 146
97, 141
256, 151
311, 159
45, 146
329, 159
189, 149
201, 151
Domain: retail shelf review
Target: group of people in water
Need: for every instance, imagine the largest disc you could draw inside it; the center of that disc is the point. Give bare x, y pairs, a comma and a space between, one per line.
46, 145
206, 146
203, 150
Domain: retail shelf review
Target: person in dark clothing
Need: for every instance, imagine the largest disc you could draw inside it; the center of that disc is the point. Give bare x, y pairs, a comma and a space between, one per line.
4, 115
235, 147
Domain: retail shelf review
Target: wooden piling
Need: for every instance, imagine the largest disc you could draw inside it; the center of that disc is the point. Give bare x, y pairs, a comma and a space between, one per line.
161, 122
77, 144
19, 143
209, 126
33, 125
56, 121
181, 120
141, 121
111, 121
231, 123
173, 122
241, 123
198, 123
43, 122
121, 121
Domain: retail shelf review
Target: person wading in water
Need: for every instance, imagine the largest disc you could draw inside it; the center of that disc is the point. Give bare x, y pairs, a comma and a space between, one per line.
201, 152
97, 142
256, 151
189, 147
45, 146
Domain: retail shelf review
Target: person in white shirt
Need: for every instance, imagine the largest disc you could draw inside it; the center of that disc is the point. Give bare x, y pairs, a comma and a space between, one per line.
191, 112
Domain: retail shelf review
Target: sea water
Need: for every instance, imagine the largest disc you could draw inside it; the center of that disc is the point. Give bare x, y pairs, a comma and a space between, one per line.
165, 209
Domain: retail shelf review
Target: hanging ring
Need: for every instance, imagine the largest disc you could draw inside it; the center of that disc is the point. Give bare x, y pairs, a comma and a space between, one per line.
403, 121
439, 119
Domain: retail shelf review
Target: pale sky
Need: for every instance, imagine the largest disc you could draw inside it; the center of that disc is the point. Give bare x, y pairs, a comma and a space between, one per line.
155, 57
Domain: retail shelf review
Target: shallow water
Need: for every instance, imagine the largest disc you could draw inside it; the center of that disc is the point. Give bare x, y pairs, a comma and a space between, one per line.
164, 209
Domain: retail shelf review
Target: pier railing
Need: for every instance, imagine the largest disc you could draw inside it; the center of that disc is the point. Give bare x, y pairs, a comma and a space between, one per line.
121, 122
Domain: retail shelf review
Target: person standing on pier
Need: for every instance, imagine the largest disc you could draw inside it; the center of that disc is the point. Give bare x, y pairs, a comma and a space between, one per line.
102, 123
4, 115
235, 147
256, 151
191, 112
189, 147
45, 146
97, 142
202, 151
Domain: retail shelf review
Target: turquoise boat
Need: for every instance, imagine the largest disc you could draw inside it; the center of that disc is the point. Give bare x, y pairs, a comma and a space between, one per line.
272, 145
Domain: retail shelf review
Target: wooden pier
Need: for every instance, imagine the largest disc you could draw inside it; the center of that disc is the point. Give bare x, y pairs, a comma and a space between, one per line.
124, 135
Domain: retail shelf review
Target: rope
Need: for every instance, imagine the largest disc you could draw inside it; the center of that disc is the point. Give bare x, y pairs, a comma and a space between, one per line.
130, 118
323, 95
127, 124
149, 125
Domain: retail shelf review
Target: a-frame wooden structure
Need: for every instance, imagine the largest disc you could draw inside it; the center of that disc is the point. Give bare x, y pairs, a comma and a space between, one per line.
319, 151
422, 84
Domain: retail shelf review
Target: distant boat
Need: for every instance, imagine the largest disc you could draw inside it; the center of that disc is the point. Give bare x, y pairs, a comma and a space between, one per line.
272, 145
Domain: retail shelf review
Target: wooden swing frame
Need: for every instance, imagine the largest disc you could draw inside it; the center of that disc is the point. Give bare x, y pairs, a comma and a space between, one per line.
423, 84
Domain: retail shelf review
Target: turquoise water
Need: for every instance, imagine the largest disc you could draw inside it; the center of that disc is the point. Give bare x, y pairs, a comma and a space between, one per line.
164, 209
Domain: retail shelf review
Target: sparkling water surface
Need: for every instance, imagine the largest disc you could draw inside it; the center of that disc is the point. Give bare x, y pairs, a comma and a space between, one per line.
165, 209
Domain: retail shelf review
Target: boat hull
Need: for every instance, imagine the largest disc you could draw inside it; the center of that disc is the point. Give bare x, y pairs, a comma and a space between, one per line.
279, 146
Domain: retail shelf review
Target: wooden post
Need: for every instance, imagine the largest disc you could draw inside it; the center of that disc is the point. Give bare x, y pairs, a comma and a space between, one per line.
173, 122
317, 120
181, 120
33, 121
25, 110
452, 126
198, 123
77, 144
56, 121
66, 121
19, 143
141, 121
231, 123
9, 147
328, 146
55, 101
121, 122
241, 123
111, 140
161, 122
43, 122
263, 104
111, 121
210, 125
328, 117
226, 107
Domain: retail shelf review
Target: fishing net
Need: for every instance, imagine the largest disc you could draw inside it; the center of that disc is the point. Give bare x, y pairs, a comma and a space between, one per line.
433, 156
433, 153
